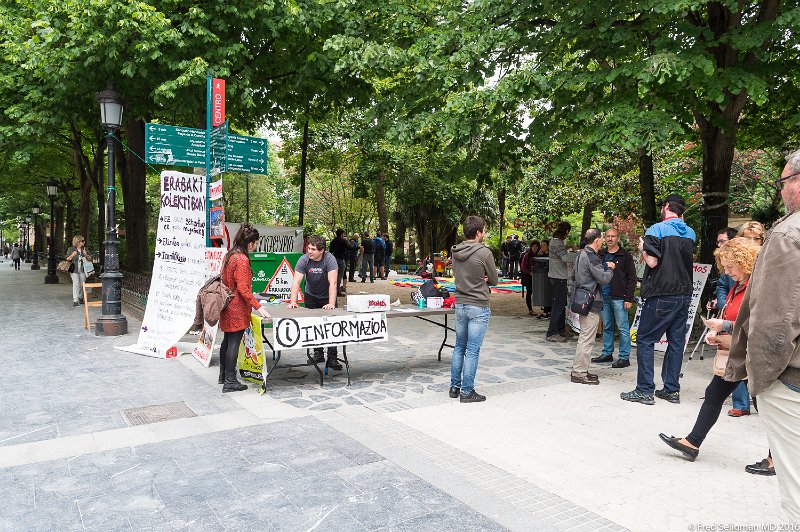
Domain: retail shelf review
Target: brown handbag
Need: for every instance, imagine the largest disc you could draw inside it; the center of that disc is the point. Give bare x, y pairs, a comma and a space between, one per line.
720, 362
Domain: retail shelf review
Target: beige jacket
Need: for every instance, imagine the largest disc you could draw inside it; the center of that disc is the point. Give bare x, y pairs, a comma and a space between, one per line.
766, 336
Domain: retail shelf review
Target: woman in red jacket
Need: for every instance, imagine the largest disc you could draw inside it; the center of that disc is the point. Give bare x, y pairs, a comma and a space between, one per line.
737, 259
235, 318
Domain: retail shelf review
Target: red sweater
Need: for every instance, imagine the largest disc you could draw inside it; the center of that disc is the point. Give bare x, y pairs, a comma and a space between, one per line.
238, 276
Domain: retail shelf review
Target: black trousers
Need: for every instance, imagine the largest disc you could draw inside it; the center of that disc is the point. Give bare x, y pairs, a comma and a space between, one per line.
352, 265
229, 350
717, 391
527, 285
558, 315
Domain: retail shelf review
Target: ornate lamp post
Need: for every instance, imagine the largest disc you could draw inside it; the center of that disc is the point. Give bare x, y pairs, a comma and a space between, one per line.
27, 244
52, 275
112, 322
35, 210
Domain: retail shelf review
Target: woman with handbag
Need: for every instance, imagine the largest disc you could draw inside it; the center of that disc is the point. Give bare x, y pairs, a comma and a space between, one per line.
235, 318
737, 259
78, 257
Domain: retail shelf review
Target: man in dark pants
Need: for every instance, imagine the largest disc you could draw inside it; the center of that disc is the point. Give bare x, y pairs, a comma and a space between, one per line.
352, 255
558, 278
320, 271
667, 248
339, 252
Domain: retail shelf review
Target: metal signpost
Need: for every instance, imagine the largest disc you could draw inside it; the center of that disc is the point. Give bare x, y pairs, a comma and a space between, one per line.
213, 148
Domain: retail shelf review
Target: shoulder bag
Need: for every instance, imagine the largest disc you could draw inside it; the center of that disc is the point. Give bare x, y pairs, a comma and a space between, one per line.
582, 299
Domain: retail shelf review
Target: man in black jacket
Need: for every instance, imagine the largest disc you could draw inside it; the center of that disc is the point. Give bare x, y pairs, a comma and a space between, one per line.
339, 252
617, 300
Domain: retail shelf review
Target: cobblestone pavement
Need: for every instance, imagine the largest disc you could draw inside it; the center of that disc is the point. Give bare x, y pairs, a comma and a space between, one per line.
389, 452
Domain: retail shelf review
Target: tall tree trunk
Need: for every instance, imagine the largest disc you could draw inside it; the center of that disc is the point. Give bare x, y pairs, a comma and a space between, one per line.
60, 226
380, 203
718, 149
586, 222
501, 206
399, 232
647, 187
133, 173
303, 170
412, 249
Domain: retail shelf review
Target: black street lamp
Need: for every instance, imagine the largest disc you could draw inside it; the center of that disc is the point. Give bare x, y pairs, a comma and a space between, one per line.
35, 210
52, 275
27, 239
112, 322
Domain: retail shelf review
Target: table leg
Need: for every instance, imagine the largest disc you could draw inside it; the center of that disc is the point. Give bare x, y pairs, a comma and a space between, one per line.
346, 363
274, 365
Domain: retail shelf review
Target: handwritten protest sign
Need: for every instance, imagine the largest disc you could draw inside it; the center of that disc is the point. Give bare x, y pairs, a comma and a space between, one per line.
699, 276
201, 351
302, 333
180, 268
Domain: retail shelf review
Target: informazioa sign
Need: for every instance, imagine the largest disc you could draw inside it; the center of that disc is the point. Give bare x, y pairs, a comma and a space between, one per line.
217, 102
322, 331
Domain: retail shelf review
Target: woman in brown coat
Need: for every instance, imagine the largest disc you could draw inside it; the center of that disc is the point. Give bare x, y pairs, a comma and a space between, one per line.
235, 318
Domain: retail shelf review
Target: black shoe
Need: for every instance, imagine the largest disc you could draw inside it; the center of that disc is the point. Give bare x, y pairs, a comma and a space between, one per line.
472, 397
351, 280
621, 363
333, 364
316, 357
675, 443
363, 280
674, 397
454, 392
760, 468
75, 303
603, 358
636, 396
232, 384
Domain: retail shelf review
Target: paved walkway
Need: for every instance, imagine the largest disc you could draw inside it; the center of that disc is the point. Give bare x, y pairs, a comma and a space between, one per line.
390, 452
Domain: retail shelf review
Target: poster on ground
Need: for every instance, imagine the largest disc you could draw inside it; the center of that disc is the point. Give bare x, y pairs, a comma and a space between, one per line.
699, 276
201, 351
179, 270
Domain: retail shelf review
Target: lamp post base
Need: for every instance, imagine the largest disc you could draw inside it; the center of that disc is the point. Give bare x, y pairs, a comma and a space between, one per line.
35, 267
51, 279
111, 326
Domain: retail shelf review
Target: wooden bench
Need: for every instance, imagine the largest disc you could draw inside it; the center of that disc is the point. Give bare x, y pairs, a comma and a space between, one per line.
87, 303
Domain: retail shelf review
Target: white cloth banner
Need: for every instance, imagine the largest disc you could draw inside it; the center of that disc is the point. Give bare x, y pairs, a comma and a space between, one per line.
699, 276
271, 239
324, 331
180, 267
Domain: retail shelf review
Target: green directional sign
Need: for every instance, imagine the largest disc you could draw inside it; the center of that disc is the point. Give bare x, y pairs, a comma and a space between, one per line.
247, 154
218, 148
174, 146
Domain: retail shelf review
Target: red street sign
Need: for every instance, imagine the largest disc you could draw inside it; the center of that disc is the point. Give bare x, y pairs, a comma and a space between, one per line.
217, 102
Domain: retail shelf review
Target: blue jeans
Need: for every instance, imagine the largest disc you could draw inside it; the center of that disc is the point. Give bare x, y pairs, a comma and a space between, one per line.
741, 397
471, 324
614, 312
661, 314
367, 263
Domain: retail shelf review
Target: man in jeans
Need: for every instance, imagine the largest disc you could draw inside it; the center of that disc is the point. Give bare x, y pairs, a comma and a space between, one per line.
667, 248
765, 346
557, 273
474, 271
617, 299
